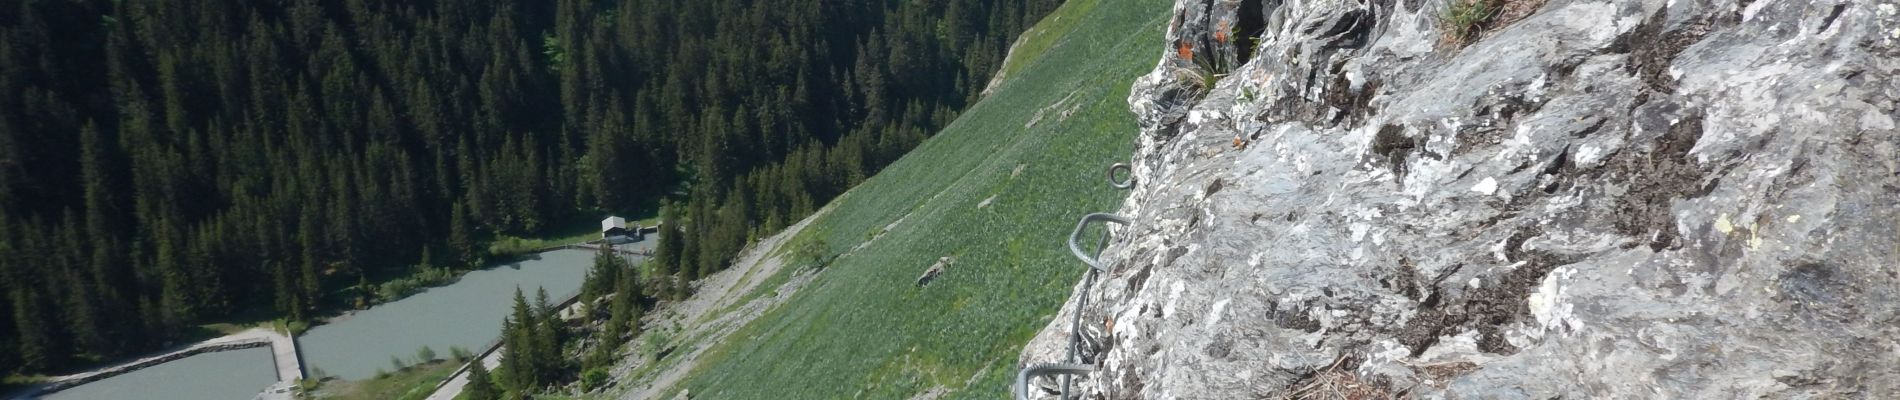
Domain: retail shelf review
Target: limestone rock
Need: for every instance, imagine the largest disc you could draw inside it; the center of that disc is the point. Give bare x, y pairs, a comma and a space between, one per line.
1602, 199
934, 270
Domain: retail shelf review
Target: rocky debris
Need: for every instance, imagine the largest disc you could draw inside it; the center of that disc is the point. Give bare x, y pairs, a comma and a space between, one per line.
722, 303
934, 270
1604, 199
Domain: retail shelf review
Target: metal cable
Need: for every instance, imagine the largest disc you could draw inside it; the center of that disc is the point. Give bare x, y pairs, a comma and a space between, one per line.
1075, 335
1070, 367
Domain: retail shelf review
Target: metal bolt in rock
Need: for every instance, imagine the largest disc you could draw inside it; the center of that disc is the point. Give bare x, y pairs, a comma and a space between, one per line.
1121, 184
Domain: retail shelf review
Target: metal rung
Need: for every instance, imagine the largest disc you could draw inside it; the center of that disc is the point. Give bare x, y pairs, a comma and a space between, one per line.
1076, 235
1023, 377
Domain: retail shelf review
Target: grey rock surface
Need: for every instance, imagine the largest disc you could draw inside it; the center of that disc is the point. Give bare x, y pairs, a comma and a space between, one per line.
1594, 199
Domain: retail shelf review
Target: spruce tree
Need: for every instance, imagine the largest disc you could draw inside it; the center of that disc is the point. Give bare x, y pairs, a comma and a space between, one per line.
82, 314
106, 270
547, 331
600, 277
480, 386
670, 245
514, 355
310, 286
461, 236
521, 360
176, 306
543, 309
284, 293
38, 350
624, 312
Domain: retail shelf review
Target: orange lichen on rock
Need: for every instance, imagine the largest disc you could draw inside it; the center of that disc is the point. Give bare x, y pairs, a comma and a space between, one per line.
1186, 51
1220, 33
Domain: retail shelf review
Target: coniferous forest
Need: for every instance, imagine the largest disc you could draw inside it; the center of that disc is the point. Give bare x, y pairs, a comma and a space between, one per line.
166, 163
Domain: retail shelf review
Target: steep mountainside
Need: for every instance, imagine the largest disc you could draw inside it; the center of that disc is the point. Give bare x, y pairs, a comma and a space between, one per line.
832, 309
1592, 199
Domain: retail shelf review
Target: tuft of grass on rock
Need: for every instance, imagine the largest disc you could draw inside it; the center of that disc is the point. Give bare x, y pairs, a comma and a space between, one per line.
1464, 20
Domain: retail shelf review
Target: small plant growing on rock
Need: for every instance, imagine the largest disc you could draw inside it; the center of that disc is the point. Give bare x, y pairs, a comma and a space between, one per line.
1209, 67
1463, 20
1211, 76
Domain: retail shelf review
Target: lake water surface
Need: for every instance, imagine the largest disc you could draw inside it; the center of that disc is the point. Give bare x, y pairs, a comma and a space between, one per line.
235, 374
465, 314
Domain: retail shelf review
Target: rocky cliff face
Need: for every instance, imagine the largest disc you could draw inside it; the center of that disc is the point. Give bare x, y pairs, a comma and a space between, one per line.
1592, 199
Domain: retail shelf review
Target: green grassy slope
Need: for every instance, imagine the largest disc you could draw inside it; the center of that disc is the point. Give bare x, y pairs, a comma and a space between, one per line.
862, 329
1035, 42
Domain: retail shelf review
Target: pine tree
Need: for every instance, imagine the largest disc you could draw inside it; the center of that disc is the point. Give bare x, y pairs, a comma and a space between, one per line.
602, 277
285, 293
547, 339
461, 236
624, 313
105, 268
480, 386
176, 305
342, 227
514, 357
670, 245
521, 360
82, 314
543, 309
207, 281
38, 350
310, 286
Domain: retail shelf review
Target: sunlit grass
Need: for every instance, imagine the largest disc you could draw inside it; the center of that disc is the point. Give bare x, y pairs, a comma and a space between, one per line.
1038, 39
863, 329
